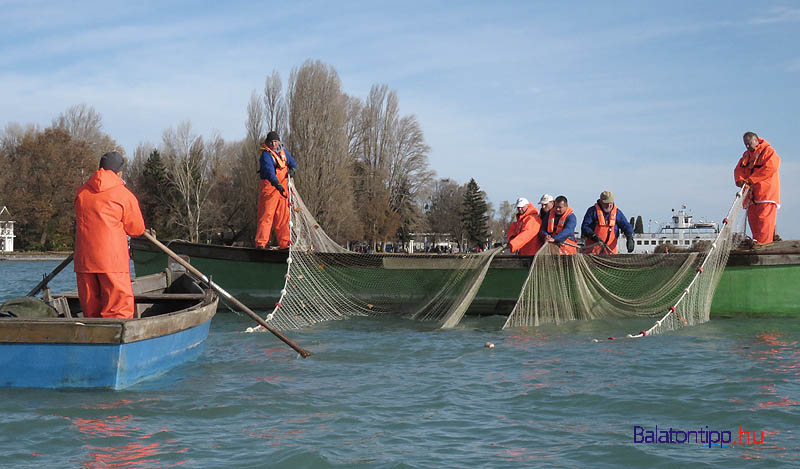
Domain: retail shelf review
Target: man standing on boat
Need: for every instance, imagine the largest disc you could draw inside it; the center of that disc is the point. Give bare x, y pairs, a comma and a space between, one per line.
105, 212
523, 234
275, 167
560, 227
601, 226
758, 168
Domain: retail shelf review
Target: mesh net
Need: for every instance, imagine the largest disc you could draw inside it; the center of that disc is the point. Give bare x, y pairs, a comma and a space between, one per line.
675, 288
326, 282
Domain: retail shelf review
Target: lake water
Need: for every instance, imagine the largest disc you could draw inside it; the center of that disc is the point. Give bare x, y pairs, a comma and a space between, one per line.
388, 392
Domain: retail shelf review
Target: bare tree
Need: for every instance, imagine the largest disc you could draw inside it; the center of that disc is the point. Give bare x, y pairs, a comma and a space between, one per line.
500, 219
84, 123
318, 140
242, 203
256, 119
274, 104
13, 134
392, 162
188, 172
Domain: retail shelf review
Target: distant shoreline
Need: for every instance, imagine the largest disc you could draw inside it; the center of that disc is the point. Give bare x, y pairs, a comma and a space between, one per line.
33, 256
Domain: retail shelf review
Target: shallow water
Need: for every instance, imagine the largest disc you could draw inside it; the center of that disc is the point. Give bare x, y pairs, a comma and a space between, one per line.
388, 392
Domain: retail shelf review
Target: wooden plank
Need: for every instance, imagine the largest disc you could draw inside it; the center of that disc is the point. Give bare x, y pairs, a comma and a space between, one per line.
156, 326
149, 283
53, 331
162, 297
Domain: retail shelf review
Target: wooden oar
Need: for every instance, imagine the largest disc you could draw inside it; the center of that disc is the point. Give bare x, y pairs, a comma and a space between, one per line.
303, 353
52, 274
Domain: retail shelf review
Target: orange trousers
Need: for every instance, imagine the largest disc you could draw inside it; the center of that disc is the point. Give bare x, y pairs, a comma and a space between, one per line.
106, 295
762, 221
273, 212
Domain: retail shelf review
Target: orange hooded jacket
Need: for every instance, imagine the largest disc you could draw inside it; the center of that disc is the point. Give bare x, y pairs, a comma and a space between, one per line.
105, 211
760, 169
523, 233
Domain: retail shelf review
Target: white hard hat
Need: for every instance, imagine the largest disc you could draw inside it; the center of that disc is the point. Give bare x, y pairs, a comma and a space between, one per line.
522, 202
546, 199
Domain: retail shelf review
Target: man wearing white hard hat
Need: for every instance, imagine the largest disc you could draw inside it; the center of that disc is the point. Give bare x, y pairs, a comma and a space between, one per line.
523, 232
545, 205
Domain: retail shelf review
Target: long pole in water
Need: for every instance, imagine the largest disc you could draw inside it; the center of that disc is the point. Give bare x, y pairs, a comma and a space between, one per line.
303, 353
52, 274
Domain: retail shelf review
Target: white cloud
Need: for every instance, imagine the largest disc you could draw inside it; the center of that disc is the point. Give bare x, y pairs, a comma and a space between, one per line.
778, 15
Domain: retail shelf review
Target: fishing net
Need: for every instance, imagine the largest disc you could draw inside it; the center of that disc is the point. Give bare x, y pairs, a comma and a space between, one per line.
675, 288
325, 281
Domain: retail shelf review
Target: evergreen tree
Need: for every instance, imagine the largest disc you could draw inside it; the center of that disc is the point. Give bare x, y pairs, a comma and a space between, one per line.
474, 220
155, 191
639, 227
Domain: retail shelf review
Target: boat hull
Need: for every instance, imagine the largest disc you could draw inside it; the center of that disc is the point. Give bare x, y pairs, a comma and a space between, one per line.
64, 352
754, 283
112, 366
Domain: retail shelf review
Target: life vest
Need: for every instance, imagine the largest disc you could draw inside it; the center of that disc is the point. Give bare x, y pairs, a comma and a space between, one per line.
551, 221
281, 167
569, 246
605, 230
279, 159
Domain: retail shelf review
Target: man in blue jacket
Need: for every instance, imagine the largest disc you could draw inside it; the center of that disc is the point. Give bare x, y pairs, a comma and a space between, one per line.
276, 165
601, 226
560, 227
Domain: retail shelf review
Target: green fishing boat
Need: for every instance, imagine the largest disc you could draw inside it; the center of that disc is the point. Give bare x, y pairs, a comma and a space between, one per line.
760, 281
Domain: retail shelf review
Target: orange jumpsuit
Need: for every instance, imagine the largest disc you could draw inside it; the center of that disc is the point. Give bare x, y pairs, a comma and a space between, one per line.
273, 208
759, 168
105, 212
523, 234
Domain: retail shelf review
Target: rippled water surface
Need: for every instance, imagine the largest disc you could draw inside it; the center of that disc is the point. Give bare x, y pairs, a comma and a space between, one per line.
388, 392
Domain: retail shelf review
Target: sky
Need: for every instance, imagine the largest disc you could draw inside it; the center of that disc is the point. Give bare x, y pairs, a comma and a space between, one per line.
648, 99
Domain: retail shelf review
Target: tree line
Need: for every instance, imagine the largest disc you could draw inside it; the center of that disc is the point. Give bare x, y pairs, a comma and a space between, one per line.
363, 171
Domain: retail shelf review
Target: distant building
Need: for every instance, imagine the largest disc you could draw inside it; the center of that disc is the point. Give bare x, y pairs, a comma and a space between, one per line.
6, 231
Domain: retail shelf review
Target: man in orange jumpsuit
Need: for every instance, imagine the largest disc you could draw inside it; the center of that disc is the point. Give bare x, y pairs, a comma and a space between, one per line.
105, 212
275, 167
758, 167
523, 234
560, 227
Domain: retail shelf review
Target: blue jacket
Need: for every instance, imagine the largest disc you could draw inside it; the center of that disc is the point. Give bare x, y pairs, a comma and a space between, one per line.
590, 221
567, 233
267, 167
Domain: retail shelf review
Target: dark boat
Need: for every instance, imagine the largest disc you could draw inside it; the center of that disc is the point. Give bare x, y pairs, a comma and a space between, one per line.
755, 281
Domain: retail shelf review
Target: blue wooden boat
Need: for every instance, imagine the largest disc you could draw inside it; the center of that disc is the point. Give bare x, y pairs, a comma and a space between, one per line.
50, 345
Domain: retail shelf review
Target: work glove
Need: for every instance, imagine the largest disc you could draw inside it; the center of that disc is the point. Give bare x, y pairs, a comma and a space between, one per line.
630, 244
280, 188
292, 171
594, 236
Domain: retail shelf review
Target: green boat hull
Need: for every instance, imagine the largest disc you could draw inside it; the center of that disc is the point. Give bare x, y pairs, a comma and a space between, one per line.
754, 283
